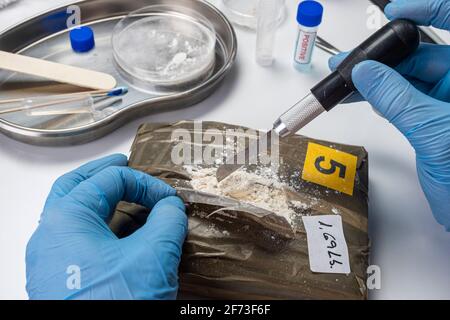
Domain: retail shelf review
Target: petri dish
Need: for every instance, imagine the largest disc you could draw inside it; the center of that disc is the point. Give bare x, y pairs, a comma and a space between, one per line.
162, 49
244, 12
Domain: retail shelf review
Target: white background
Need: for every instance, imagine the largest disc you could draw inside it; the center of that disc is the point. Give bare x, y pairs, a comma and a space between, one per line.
412, 250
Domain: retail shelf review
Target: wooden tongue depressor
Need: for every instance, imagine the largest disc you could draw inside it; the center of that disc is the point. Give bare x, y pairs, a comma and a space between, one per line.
57, 72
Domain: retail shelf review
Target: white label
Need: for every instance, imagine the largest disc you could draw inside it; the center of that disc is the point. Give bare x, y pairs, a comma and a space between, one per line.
327, 249
305, 46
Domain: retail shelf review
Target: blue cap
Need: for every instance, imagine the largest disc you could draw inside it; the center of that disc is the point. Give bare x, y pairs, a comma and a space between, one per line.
309, 13
82, 39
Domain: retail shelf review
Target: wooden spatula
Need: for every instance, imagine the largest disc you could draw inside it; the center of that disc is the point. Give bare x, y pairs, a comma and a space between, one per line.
57, 72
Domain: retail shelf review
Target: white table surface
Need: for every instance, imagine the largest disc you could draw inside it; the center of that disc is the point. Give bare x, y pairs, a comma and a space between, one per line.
412, 250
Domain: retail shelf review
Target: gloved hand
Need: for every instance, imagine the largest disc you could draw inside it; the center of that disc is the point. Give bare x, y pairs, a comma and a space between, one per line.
73, 236
415, 98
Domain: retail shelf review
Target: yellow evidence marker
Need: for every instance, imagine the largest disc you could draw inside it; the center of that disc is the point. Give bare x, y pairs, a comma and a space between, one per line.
330, 168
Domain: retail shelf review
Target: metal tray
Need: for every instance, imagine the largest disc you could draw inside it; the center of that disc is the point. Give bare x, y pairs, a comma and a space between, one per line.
46, 36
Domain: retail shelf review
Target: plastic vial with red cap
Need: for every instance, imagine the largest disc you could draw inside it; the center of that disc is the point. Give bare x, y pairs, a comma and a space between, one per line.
309, 17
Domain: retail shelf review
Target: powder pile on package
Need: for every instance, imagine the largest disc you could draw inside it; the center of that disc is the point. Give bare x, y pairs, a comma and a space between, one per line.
262, 188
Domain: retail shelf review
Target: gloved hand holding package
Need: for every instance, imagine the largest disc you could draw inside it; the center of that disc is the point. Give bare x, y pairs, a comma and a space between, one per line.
73, 254
246, 237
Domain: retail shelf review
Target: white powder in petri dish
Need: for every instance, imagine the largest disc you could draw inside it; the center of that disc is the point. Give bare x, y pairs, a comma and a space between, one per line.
164, 49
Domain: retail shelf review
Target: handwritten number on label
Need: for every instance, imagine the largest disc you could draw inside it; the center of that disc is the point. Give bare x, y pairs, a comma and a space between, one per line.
331, 253
327, 236
334, 165
324, 224
327, 248
332, 263
332, 244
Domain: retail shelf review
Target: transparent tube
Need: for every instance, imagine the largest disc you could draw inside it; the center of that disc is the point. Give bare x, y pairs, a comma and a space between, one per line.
57, 105
268, 12
46, 105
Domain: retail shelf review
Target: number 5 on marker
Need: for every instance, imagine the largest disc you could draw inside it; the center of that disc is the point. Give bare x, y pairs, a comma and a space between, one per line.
330, 168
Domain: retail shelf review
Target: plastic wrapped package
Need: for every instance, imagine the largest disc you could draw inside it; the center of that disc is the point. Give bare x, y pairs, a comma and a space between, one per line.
237, 250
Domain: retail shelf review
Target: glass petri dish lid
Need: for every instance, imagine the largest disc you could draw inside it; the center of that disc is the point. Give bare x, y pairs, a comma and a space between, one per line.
245, 12
163, 49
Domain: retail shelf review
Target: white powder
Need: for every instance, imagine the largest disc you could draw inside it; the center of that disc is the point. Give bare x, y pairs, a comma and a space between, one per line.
262, 189
299, 205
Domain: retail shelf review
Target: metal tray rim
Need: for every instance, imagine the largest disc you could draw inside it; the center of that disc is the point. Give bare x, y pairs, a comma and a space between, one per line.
86, 133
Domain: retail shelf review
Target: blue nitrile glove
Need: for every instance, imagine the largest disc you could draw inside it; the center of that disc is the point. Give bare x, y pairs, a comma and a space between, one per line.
73, 236
417, 103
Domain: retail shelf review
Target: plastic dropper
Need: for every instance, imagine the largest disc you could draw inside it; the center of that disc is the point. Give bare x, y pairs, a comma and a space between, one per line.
76, 103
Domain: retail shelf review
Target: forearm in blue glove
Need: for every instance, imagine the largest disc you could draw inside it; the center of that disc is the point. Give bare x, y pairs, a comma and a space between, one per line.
415, 98
73, 236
